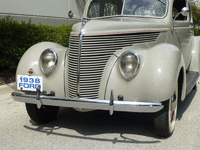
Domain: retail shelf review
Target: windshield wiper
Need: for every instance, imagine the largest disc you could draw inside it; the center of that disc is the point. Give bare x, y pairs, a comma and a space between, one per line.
162, 2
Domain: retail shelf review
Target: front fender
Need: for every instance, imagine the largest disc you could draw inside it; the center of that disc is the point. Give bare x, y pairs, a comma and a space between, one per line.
156, 79
30, 60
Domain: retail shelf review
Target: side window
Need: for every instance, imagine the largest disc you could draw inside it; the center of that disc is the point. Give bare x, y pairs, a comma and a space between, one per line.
178, 5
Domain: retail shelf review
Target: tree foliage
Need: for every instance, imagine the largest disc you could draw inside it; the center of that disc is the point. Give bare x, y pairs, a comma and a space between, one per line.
196, 15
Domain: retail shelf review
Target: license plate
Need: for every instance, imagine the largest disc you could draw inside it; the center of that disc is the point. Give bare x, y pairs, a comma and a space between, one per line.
29, 83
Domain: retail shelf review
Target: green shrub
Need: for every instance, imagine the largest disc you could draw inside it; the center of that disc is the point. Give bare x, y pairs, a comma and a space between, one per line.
196, 32
16, 38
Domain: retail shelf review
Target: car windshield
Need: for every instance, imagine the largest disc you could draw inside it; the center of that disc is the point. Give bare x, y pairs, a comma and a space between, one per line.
152, 8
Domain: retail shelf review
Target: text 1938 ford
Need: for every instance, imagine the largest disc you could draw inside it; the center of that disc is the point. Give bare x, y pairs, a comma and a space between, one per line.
125, 55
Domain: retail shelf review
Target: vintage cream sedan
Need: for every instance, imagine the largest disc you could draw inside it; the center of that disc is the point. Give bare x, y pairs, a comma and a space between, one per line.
124, 55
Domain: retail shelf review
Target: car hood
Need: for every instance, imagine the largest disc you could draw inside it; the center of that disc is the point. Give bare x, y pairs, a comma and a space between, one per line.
121, 24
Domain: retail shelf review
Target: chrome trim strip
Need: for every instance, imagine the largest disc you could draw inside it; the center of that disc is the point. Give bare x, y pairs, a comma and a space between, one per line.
95, 104
123, 32
84, 20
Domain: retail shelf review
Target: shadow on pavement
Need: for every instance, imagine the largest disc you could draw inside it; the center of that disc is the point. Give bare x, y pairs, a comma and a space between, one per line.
100, 122
184, 105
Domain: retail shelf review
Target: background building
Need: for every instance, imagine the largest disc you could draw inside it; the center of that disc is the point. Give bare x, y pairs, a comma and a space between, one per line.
50, 12
197, 3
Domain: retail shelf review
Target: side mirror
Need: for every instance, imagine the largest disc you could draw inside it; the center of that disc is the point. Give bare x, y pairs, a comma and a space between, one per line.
185, 11
70, 14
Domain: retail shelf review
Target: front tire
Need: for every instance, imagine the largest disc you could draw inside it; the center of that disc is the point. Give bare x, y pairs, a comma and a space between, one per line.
164, 120
43, 115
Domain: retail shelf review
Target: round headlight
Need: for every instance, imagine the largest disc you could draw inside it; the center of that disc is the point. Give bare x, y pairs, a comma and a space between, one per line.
129, 63
48, 61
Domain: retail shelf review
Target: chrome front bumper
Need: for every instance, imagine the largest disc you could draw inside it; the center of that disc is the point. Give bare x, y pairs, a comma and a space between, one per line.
94, 104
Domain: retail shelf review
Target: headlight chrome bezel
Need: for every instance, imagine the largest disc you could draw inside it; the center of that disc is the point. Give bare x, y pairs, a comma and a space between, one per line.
134, 73
46, 69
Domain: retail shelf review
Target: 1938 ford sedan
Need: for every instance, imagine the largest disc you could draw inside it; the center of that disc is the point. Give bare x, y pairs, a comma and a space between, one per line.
125, 55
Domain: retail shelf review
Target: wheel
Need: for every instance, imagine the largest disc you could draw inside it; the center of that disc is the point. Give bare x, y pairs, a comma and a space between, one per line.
164, 120
43, 115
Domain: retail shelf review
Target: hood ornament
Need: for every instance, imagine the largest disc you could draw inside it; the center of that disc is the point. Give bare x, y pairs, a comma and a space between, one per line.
85, 19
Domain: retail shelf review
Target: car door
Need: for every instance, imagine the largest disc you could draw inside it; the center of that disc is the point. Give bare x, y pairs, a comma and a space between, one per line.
183, 29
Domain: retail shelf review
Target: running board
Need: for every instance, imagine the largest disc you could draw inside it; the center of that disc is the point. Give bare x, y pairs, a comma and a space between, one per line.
191, 79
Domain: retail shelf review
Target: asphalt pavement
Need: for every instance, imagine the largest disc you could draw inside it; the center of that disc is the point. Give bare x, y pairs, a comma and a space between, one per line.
73, 130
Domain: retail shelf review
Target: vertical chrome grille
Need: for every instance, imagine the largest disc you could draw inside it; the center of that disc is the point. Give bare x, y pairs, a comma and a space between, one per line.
95, 52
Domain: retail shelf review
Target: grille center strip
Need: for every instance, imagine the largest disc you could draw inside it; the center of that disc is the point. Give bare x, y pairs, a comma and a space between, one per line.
84, 20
